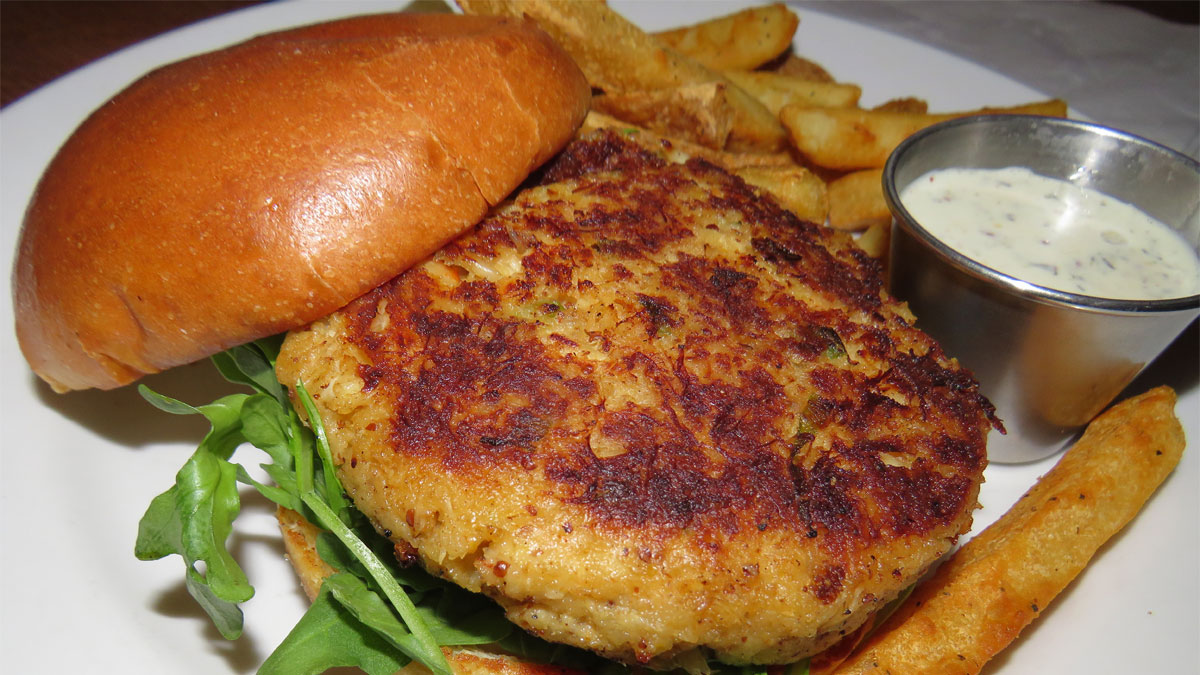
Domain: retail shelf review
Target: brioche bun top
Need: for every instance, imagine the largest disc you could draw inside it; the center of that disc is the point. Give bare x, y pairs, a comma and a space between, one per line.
247, 191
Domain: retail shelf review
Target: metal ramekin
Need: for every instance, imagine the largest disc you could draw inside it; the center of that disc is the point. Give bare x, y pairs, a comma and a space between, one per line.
1049, 360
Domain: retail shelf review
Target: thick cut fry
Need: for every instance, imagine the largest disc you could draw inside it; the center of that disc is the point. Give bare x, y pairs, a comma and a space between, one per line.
856, 201
617, 56
613, 53
744, 40
678, 149
875, 240
849, 138
776, 91
981, 598
908, 104
802, 69
699, 113
797, 189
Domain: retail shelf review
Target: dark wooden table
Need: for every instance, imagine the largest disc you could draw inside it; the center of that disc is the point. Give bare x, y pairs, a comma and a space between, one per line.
43, 39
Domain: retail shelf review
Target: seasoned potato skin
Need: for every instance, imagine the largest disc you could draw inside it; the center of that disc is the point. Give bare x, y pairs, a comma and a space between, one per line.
653, 415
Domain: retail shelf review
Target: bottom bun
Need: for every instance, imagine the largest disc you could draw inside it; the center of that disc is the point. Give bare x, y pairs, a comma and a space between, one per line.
300, 544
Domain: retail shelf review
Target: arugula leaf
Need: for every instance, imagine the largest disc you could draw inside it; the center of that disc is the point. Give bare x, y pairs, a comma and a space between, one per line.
253, 364
208, 502
194, 518
416, 580
423, 648
160, 533
371, 610
225, 614
331, 489
268, 426
329, 636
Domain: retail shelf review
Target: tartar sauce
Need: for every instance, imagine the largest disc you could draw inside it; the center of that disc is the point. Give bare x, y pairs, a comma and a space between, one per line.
1053, 233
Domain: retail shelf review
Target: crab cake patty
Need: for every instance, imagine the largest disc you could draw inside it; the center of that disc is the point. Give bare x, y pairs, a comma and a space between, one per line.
652, 415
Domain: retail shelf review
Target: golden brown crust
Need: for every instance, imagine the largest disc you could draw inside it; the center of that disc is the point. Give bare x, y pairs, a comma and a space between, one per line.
247, 191
1000, 581
651, 413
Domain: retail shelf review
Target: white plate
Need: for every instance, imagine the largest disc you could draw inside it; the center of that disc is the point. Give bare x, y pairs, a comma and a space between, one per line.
78, 470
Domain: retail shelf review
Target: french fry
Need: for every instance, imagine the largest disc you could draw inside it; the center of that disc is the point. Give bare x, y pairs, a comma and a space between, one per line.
908, 104
699, 113
986, 593
744, 40
776, 91
802, 69
613, 53
856, 201
849, 138
677, 149
795, 188
617, 56
875, 240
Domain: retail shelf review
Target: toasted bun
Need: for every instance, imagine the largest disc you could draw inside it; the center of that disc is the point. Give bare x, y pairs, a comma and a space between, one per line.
251, 190
300, 543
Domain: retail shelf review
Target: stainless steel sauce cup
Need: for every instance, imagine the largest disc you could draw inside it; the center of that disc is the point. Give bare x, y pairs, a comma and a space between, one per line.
1049, 360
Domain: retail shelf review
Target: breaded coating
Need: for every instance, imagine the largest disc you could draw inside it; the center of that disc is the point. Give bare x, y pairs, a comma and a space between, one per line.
653, 415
